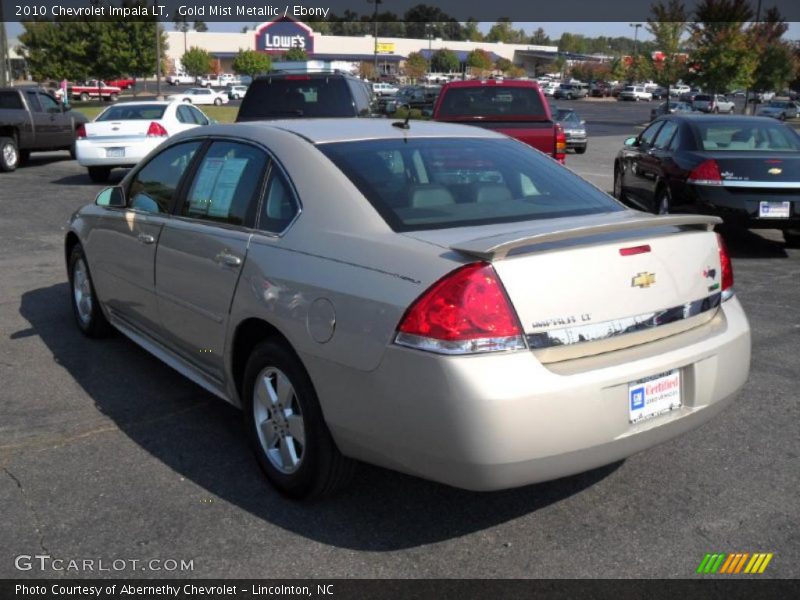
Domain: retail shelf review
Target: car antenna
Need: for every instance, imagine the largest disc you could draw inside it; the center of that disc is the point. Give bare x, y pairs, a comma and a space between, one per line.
404, 124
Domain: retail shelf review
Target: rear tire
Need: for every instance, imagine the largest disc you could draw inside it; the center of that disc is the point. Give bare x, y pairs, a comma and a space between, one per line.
286, 427
99, 174
9, 154
618, 193
84, 97
217, 102
663, 201
85, 305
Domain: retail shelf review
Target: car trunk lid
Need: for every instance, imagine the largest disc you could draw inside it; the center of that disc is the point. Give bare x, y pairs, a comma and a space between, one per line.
131, 128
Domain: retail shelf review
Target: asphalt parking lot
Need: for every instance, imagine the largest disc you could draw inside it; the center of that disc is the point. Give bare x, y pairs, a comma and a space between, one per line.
106, 453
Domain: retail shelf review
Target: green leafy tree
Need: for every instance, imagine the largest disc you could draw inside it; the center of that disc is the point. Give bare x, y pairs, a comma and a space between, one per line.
776, 61
298, 54
721, 56
200, 26
444, 61
479, 60
503, 31
251, 62
540, 38
471, 31
502, 64
667, 26
416, 65
197, 61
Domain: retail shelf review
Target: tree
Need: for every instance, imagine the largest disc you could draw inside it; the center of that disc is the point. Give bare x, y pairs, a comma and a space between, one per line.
667, 27
540, 38
721, 56
514, 71
502, 64
480, 61
366, 70
197, 62
471, 31
200, 26
445, 61
251, 62
297, 54
503, 31
776, 61
416, 65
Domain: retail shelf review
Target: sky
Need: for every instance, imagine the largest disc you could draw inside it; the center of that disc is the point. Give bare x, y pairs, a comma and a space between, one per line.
554, 30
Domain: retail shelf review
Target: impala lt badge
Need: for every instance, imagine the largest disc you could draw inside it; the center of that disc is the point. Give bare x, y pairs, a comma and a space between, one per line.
643, 280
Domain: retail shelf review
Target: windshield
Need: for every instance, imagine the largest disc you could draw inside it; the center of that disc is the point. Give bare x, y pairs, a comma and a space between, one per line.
297, 96
748, 137
439, 183
133, 112
493, 102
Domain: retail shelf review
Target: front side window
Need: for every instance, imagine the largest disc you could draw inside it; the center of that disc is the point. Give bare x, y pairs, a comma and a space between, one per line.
154, 186
225, 185
198, 117
49, 103
438, 183
649, 134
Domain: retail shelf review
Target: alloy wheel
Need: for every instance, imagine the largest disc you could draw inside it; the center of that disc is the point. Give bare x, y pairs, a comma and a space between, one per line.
279, 420
10, 155
82, 291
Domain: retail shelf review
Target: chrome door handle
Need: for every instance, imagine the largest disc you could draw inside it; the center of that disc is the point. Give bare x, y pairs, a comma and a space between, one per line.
146, 238
228, 259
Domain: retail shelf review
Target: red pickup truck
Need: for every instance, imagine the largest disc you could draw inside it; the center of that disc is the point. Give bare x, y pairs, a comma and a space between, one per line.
94, 89
123, 83
515, 108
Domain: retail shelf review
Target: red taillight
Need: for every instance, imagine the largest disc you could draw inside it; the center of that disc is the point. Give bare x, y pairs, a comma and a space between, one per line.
80, 132
706, 173
156, 130
727, 268
465, 312
634, 250
561, 144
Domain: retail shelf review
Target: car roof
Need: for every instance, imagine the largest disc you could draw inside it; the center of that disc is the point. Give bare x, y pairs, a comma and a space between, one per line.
740, 120
323, 131
142, 103
493, 82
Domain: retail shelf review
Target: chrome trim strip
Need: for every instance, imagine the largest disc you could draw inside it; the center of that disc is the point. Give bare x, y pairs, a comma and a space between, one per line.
567, 336
778, 185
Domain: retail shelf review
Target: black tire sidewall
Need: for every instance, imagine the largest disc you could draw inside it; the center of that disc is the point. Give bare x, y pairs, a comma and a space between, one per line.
318, 449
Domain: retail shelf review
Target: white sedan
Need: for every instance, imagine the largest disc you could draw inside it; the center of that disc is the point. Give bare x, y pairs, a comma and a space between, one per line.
123, 134
200, 96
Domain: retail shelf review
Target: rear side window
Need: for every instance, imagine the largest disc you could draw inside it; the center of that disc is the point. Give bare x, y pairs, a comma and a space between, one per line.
297, 96
225, 185
438, 183
665, 135
279, 206
154, 186
133, 112
493, 102
10, 101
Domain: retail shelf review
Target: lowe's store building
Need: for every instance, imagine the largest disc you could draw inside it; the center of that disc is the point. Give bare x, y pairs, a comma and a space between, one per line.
278, 36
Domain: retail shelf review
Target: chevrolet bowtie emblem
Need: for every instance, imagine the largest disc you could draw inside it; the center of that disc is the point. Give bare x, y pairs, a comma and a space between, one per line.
643, 280
775, 171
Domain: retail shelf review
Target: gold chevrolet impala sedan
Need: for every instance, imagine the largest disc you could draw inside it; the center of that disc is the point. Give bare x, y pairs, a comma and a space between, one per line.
437, 299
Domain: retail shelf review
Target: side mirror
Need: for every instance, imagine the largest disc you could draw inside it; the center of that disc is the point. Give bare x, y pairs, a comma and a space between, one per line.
631, 141
112, 197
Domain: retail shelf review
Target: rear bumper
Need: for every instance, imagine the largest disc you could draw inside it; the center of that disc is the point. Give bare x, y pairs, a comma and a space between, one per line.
499, 421
92, 153
741, 206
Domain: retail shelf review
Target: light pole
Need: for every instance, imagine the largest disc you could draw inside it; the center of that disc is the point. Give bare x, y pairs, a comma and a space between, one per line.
429, 35
747, 91
375, 20
5, 76
635, 46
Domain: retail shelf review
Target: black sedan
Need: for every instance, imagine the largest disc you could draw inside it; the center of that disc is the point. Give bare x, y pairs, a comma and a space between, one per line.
744, 169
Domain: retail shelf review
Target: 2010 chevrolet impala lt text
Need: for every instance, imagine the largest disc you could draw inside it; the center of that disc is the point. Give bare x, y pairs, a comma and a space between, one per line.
433, 298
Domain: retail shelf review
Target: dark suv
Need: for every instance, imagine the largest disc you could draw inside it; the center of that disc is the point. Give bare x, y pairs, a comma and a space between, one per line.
306, 95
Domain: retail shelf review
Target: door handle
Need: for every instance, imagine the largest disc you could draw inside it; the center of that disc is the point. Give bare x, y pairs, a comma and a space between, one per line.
146, 238
229, 260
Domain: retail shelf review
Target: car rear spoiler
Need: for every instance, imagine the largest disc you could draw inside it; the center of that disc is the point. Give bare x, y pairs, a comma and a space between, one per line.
497, 247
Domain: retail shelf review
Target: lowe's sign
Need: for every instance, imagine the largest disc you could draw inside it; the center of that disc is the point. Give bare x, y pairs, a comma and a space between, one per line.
283, 34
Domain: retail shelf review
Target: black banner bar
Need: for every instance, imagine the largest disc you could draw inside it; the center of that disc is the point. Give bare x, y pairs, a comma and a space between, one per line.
731, 588
249, 11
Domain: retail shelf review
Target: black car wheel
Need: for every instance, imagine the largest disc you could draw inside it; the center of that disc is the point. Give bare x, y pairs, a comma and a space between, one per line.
618, 193
85, 305
286, 427
9, 154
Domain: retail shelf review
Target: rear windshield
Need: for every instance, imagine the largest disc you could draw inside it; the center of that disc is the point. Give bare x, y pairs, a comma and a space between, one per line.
749, 136
439, 183
297, 96
702, 98
132, 112
494, 103
10, 100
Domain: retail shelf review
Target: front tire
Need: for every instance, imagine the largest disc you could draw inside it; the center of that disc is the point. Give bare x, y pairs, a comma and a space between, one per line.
99, 174
9, 154
85, 305
618, 193
217, 102
663, 201
287, 430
